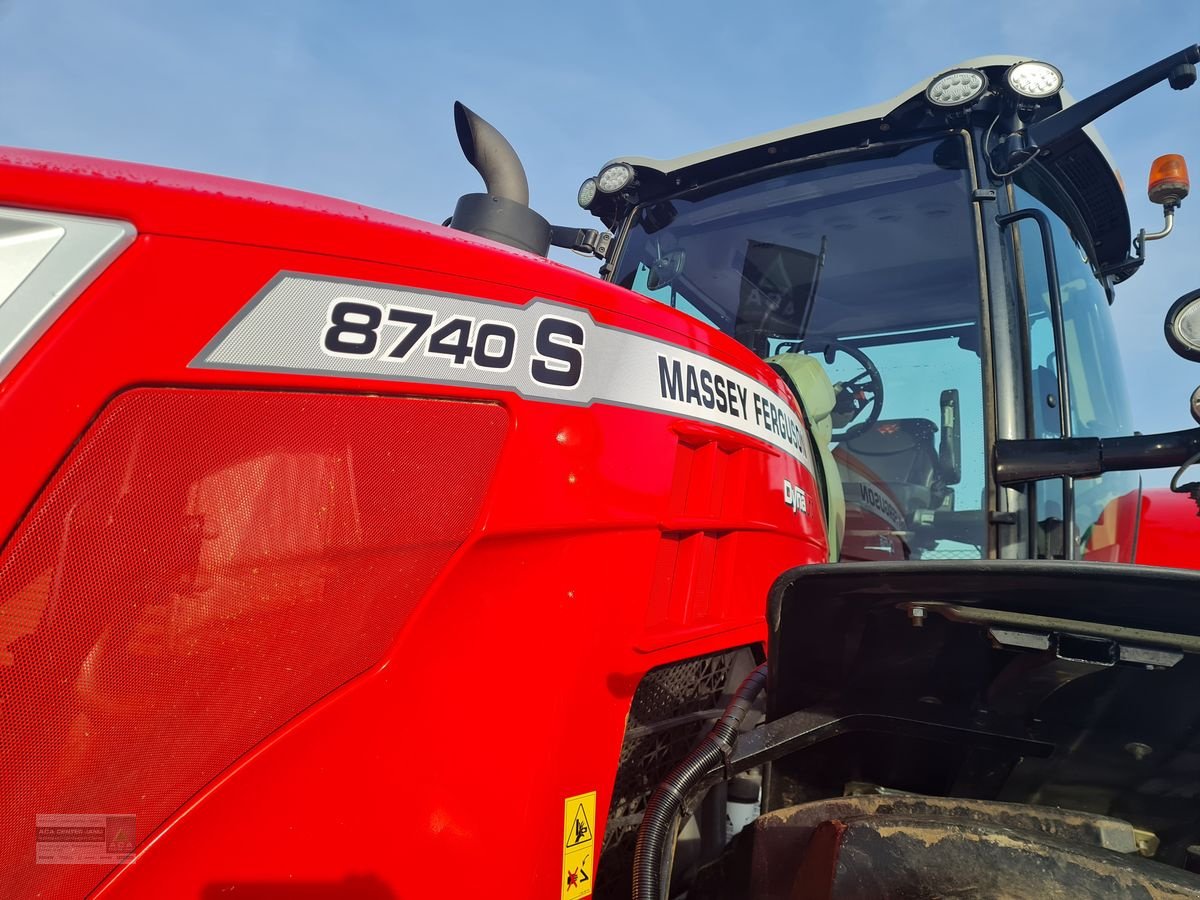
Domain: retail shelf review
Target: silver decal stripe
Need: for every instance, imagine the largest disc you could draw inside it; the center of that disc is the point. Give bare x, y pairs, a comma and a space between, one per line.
543, 351
46, 261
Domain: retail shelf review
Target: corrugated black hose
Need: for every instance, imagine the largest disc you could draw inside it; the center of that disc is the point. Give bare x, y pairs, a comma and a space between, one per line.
669, 796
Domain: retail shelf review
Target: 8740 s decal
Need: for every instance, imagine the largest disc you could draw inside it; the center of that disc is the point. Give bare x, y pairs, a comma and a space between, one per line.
360, 328
543, 350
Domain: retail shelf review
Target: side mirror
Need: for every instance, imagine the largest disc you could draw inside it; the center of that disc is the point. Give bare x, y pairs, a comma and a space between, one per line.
950, 445
1182, 326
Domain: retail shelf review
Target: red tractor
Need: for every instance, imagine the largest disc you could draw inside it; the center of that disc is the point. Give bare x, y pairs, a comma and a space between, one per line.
345, 555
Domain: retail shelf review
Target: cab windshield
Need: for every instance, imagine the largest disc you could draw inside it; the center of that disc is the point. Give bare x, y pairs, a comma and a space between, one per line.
868, 262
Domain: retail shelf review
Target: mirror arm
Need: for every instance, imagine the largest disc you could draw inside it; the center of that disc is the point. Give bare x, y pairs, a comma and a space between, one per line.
1053, 129
1017, 462
584, 241
1149, 451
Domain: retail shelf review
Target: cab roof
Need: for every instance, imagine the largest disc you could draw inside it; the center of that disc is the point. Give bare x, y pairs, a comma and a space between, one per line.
1084, 167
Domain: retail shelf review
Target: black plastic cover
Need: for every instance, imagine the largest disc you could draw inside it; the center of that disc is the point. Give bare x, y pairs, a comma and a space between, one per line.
846, 629
502, 220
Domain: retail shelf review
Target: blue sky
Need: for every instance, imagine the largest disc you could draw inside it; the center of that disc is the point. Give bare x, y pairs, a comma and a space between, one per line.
353, 99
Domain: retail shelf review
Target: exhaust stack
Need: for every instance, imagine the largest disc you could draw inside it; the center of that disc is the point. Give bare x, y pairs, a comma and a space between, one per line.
492, 155
502, 214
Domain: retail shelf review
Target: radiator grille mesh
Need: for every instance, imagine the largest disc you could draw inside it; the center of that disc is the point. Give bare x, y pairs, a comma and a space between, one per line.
203, 567
662, 729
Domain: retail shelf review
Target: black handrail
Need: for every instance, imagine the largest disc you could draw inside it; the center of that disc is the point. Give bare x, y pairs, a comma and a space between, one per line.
1060, 355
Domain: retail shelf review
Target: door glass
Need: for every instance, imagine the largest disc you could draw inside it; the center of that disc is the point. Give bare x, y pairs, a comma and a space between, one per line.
1098, 403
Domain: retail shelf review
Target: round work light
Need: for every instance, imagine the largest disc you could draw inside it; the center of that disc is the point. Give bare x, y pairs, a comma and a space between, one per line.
958, 87
587, 193
615, 177
1034, 80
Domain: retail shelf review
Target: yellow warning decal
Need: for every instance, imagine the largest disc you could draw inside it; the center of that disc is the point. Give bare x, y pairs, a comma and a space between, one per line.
579, 844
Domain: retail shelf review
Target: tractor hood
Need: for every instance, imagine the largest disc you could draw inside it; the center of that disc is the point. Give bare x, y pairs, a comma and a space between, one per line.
163, 201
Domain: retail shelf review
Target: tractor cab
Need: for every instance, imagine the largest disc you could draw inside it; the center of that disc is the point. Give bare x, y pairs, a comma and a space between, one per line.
933, 276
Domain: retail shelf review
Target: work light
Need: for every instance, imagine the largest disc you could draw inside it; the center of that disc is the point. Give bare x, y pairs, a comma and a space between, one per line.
1034, 80
615, 177
1183, 326
587, 193
958, 87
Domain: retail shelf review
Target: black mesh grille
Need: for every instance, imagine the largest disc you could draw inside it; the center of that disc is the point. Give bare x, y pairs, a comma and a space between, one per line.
667, 719
1090, 181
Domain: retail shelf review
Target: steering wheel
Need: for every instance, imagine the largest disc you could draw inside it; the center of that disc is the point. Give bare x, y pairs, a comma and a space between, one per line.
863, 392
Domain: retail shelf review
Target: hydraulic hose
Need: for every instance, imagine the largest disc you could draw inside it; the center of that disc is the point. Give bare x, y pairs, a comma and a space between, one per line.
668, 797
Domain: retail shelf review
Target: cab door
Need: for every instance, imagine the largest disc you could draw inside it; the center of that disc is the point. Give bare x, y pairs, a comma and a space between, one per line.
1076, 386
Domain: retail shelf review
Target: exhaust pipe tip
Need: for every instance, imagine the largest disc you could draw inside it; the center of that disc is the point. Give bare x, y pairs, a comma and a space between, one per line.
501, 214
492, 155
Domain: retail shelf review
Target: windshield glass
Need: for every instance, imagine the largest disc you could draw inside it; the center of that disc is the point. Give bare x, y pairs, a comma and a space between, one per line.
869, 263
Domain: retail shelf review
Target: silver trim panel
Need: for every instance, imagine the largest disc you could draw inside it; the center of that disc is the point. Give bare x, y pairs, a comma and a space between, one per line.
46, 262
285, 327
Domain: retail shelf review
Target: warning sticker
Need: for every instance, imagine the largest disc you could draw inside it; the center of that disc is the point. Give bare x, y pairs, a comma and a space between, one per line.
579, 844
579, 831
